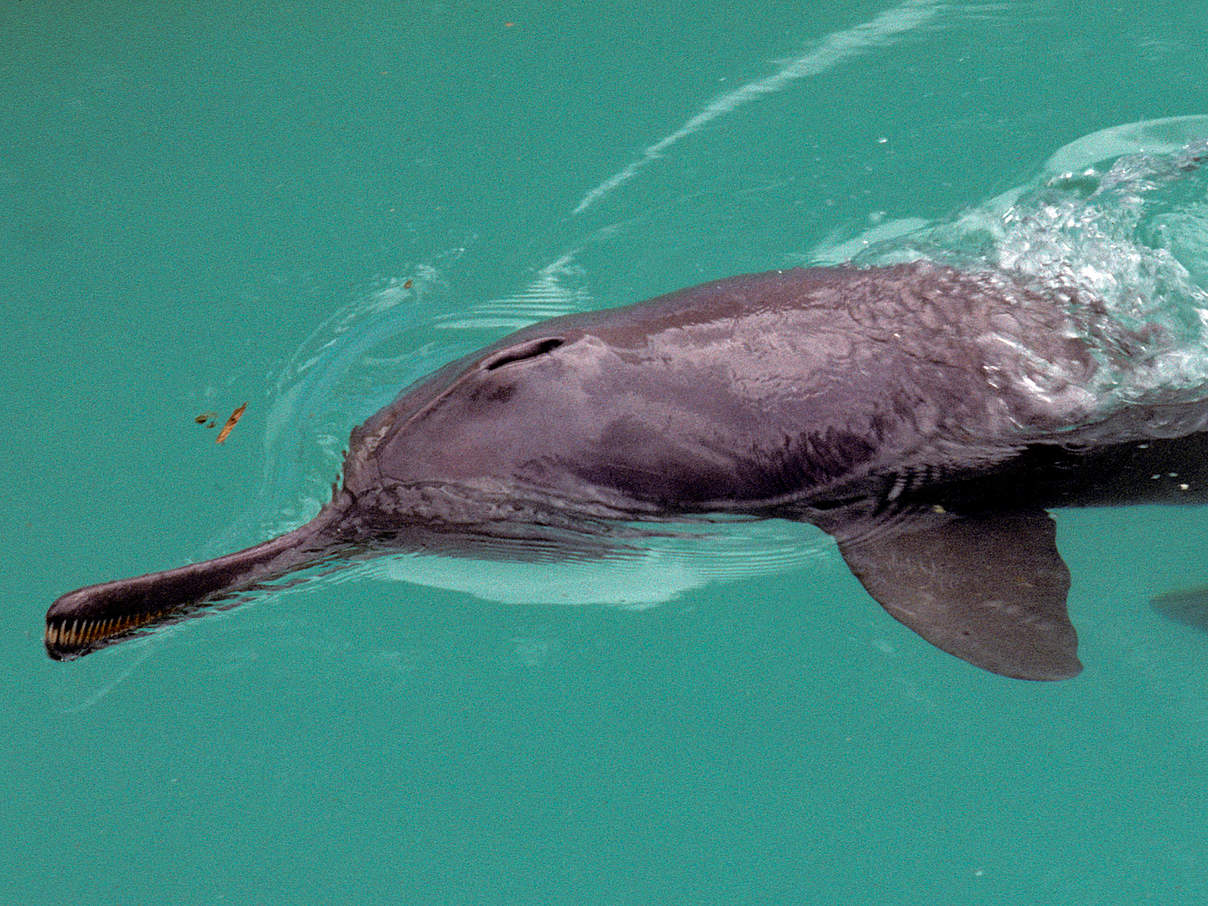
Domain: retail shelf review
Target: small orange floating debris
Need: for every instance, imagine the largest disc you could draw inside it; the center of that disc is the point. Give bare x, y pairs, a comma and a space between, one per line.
230, 424
407, 285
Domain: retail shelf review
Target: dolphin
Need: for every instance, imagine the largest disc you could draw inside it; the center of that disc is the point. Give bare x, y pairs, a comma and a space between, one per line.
928, 418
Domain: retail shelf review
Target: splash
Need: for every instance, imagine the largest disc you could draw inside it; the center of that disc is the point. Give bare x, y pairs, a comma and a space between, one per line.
1119, 217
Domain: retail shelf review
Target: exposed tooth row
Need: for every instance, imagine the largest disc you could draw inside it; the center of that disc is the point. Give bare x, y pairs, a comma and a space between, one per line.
77, 633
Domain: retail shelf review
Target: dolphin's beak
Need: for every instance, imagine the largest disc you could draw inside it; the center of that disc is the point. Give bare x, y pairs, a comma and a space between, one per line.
98, 615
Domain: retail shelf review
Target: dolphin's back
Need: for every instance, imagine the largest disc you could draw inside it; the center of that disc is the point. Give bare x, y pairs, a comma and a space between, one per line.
758, 388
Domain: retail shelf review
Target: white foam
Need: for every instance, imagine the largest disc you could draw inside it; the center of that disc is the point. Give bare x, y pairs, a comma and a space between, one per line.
1161, 136
834, 250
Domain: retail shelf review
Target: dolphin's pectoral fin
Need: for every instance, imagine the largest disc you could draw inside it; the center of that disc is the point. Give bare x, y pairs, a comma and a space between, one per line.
988, 588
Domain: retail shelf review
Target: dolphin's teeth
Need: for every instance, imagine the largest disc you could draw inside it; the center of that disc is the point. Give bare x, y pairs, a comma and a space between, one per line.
67, 636
85, 631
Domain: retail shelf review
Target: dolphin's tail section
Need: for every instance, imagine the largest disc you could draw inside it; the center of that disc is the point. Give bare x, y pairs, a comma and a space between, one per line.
93, 617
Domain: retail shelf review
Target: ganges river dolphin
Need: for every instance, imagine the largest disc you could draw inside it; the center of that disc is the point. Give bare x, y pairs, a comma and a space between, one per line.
927, 418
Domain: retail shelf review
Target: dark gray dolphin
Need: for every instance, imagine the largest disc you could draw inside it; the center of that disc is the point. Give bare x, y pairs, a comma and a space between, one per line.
925, 417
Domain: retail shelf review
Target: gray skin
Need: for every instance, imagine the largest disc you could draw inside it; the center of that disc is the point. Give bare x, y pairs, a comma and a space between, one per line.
925, 417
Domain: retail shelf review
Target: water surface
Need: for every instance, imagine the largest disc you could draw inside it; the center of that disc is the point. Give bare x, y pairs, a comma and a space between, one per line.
307, 208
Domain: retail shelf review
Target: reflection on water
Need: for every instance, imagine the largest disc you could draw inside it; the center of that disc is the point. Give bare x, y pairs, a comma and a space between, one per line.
665, 567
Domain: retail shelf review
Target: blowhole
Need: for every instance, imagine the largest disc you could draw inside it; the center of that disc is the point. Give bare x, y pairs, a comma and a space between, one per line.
529, 350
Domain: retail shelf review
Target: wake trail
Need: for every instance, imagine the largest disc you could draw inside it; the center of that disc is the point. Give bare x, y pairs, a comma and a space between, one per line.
834, 49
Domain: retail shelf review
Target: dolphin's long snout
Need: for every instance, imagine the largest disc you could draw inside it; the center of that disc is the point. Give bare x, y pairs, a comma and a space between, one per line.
97, 615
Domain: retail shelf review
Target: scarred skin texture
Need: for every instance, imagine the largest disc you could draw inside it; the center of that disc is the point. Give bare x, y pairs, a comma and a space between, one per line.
738, 395
898, 404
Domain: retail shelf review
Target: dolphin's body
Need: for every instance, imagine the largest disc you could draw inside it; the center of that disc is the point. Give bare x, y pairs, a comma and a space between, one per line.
925, 417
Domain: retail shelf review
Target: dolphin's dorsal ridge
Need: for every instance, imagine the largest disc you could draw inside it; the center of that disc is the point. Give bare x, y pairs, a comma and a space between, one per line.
988, 588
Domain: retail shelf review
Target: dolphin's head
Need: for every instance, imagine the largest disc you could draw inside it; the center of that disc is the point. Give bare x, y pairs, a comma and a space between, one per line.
499, 442
667, 409
473, 459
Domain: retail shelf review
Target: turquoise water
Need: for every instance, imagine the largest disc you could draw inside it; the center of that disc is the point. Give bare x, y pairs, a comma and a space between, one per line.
305, 209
